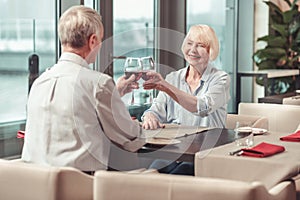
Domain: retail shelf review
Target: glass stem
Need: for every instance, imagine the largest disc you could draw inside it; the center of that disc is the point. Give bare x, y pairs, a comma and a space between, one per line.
150, 97
132, 97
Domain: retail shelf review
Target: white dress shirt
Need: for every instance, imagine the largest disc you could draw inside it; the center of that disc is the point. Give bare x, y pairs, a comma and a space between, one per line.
212, 98
73, 113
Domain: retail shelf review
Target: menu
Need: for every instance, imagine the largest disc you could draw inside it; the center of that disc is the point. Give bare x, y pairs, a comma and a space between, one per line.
171, 131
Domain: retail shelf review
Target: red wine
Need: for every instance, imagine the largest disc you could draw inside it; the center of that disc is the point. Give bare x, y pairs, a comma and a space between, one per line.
138, 75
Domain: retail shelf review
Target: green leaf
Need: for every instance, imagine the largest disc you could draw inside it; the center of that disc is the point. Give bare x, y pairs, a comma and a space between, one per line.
258, 57
295, 47
282, 61
282, 29
273, 6
295, 25
264, 38
260, 81
273, 53
294, 5
273, 41
267, 64
288, 2
297, 38
296, 58
289, 15
295, 62
276, 15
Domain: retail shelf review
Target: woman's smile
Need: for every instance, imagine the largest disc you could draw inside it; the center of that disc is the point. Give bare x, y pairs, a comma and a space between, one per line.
194, 56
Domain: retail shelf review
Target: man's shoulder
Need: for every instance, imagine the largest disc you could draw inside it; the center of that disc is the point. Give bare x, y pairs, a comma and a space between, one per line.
96, 77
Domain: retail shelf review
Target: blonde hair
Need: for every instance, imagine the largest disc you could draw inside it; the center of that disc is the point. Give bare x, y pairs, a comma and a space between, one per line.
77, 24
206, 36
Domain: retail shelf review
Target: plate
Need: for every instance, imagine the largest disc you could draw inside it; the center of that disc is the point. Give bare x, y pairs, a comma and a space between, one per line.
162, 141
245, 129
259, 131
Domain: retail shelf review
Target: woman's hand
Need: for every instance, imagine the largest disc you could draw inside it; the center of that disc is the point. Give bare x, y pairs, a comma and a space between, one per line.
125, 86
151, 122
154, 81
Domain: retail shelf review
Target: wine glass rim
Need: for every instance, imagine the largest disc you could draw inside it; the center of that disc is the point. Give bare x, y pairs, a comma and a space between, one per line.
146, 57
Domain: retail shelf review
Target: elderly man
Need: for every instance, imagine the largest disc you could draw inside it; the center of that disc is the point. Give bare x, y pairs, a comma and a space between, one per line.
74, 112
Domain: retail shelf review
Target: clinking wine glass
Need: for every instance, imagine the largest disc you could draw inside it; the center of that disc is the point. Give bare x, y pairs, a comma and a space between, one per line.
133, 66
148, 65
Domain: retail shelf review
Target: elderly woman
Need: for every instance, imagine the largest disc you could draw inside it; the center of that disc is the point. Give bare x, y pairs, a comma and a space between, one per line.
72, 111
195, 95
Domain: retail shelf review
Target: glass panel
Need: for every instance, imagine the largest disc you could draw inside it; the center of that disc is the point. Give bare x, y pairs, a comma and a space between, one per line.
20, 36
133, 36
219, 14
27, 27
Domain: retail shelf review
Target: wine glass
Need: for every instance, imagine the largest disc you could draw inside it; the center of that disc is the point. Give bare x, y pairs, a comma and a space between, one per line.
148, 65
244, 134
133, 66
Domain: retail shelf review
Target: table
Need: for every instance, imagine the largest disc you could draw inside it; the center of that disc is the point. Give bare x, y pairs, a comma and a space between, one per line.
189, 146
121, 160
265, 74
277, 99
270, 170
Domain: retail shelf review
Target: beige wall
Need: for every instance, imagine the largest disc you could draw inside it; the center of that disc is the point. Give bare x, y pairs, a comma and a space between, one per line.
261, 19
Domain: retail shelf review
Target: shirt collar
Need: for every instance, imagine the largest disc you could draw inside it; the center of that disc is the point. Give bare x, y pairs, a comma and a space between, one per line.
207, 72
204, 77
183, 74
74, 58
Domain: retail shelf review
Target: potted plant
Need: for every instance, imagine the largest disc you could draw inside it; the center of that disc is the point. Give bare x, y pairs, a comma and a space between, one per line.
282, 50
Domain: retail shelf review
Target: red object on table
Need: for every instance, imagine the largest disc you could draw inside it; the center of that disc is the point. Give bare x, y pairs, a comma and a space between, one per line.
294, 137
263, 150
20, 134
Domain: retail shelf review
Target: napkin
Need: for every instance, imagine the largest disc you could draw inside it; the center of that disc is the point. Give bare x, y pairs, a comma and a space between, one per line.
294, 137
263, 150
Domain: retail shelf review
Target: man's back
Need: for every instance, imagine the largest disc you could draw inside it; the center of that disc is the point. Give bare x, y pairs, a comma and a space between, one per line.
62, 118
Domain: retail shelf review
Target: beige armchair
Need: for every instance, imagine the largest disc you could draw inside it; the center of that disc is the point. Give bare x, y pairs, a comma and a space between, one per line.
282, 118
118, 185
295, 100
255, 121
19, 180
297, 178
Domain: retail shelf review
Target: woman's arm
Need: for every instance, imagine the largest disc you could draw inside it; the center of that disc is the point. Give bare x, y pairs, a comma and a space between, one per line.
216, 96
189, 102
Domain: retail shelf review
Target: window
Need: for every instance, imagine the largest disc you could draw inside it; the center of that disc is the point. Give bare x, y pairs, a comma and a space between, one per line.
133, 36
27, 27
222, 19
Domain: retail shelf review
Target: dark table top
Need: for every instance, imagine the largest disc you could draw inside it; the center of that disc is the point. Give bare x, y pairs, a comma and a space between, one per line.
189, 146
276, 98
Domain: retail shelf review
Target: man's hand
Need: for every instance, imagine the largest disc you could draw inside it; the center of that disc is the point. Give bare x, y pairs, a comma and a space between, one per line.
125, 86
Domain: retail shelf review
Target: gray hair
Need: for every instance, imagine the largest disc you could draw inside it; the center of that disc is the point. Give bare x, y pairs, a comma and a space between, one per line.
77, 24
